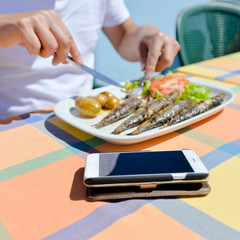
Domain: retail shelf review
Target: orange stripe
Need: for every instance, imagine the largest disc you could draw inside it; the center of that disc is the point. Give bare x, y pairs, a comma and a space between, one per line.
234, 80
41, 202
237, 98
226, 120
223, 62
24, 143
147, 223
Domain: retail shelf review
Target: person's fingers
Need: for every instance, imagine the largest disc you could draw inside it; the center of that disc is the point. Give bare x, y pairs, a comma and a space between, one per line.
143, 55
76, 56
61, 45
153, 54
28, 37
168, 53
162, 50
65, 42
49, 44
35, 34
73, 47
42, 33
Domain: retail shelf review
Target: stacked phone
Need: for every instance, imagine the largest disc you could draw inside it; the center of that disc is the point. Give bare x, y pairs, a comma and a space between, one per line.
145, 174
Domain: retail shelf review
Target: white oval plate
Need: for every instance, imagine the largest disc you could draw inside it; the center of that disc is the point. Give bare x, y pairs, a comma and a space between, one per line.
66, 111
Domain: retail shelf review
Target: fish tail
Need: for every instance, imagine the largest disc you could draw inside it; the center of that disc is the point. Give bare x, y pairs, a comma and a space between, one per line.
218, 99
119, 129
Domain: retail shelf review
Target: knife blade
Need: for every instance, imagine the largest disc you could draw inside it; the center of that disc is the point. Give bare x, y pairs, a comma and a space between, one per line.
95, 73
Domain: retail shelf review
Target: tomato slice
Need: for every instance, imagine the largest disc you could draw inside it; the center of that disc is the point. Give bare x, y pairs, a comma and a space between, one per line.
169, 83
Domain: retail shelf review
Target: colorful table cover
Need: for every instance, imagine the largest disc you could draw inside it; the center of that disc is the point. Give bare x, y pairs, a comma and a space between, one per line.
42, 195
226, 68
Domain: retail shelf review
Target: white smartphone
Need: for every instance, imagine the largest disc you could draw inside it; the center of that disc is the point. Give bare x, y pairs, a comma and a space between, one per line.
143, 166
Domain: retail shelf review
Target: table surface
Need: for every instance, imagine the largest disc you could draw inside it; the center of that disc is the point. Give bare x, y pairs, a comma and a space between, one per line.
43, 158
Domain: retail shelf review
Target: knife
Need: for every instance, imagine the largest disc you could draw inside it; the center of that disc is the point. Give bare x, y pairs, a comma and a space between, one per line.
94, 73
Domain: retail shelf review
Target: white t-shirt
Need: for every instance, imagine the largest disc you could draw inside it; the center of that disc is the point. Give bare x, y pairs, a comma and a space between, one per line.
30, 82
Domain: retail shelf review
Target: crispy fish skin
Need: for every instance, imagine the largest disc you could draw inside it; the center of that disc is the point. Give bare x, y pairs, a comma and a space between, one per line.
147, 111
121, 110
162, 116
198, 108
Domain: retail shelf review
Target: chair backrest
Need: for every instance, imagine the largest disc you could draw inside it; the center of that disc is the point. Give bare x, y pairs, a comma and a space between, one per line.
207, 31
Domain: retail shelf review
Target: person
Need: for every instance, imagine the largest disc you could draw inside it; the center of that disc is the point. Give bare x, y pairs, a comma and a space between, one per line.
36, 37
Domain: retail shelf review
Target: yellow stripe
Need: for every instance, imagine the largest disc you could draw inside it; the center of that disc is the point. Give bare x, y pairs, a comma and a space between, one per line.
220, 83
223, 202
70, 129
202, 71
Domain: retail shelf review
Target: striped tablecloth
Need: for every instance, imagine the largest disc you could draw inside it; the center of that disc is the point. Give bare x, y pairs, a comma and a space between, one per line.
42, 195
226, 68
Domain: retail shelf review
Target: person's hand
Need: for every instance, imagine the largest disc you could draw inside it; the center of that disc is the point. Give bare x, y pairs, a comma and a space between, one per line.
157, 50
41, 33
148, 44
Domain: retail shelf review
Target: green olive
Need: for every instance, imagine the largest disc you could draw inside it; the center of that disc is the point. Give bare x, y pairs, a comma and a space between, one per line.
87, 106
112, 102
101, 98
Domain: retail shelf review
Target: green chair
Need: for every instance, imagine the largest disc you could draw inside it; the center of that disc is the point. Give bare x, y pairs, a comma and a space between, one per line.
207, 31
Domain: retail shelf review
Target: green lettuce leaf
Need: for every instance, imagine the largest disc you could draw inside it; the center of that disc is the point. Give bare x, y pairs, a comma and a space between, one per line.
195, 92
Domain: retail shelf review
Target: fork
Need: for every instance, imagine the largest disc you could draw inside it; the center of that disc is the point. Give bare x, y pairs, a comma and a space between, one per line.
137, 90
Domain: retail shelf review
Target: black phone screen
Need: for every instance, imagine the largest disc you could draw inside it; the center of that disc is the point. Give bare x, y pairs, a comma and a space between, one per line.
135, 163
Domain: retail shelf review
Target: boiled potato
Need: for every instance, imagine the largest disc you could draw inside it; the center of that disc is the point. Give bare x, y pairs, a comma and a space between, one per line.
87, 106
101, 98
108, 94
112, 102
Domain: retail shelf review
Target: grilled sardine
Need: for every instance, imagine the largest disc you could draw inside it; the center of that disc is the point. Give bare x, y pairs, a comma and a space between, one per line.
122, 110
147, 111
198, 108
162, 116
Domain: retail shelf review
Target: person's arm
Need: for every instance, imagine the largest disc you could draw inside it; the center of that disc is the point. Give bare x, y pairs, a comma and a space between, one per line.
41, 33
147, 44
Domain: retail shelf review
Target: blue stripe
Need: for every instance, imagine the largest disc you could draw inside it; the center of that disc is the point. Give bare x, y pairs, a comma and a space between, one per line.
37, 118
98, 220
230, 148
214, 158
61, 134
33, 119
25, 119
71, 143
228, 75
237, 142
79, 147
234, 106
11, 125
221, 154
43, 114
196, 220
